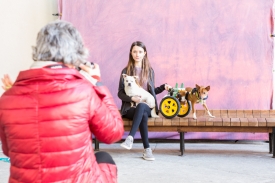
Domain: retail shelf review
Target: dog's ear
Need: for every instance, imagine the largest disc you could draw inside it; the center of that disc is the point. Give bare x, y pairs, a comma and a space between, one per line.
124, 75
198, 87
207, 88
136, 77
136, 80
182, 92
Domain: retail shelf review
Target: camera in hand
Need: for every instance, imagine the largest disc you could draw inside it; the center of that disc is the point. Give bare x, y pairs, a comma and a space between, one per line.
89, 64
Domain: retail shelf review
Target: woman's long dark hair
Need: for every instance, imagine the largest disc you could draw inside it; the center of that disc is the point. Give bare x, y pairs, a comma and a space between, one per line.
145, 66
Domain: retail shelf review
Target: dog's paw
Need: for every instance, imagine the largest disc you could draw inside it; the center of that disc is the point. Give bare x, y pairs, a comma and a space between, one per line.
153, 113
210, 114
155, 116
194, 116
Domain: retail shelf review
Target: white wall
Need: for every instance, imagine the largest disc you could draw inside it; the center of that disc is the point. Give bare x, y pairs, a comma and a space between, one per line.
20, 21
273, 69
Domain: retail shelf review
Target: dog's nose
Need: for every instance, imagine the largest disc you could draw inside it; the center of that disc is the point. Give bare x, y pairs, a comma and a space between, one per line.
129, 84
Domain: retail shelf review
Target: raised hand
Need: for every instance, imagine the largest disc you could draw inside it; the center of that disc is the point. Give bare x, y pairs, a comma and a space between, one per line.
92, 70
6, 82
136, 99
167, 87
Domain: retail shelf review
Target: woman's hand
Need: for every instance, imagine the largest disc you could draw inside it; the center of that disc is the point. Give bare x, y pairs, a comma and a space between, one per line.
136, 99
7, 82
167, 87
92, 70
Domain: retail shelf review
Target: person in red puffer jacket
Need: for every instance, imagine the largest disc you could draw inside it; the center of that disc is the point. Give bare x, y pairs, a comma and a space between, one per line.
48, 116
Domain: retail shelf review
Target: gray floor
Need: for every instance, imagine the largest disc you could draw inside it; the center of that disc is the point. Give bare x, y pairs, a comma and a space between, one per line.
221, 162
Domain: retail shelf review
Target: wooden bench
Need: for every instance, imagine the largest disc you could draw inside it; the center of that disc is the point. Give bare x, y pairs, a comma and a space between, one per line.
244, 121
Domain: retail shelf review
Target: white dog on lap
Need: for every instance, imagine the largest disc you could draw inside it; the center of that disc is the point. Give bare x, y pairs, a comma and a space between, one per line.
133, 89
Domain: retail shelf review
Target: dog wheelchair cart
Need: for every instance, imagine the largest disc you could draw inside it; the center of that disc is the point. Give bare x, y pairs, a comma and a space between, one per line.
173, 104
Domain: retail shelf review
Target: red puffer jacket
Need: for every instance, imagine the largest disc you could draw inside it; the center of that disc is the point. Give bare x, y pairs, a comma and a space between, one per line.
46, 121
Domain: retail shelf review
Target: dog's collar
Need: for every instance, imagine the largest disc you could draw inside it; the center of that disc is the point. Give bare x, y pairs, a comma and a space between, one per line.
195, 91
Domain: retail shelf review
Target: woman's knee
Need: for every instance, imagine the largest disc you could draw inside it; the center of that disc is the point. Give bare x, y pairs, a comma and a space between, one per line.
145, 108
104, 157
145, 116
142, 106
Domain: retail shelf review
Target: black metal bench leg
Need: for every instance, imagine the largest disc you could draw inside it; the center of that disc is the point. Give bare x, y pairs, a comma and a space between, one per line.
96, 145
270, 142
273, 141
182, 148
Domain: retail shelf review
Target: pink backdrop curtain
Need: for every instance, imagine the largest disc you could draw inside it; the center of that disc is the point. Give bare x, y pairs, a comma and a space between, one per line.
225, 44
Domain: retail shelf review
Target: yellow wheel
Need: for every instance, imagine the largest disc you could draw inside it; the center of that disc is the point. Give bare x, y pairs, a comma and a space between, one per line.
184, 108
169, 107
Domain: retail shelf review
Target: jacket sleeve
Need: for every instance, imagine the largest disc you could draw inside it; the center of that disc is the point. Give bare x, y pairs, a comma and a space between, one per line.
4, 141
106, 122
160, 89
121, 92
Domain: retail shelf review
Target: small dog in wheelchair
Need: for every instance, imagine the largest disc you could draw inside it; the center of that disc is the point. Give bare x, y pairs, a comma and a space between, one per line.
196, 95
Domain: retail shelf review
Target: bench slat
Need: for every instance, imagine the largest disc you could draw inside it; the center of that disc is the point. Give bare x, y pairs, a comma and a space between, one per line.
159, 121
272, 113
216, 121
226, 121
235, 122
224, 113
192, 122
252, 122
240, 114
200, 113
256, 113
270, 121
209, 122
232, 113
167, 122
201, 121
264, 113
248, 113
175, 121
261, 121
244, 121
216, 113
151, 121
126, 122
183, 122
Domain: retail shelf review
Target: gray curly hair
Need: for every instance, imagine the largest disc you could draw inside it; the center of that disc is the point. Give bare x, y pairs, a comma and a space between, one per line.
60, 41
